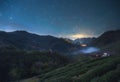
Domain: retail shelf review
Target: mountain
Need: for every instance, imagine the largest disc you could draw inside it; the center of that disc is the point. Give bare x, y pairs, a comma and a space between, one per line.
18, 62
107, 38
28, 41
83, 41
68, 40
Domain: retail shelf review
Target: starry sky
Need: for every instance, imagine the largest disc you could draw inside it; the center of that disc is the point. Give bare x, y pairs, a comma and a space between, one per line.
61, 18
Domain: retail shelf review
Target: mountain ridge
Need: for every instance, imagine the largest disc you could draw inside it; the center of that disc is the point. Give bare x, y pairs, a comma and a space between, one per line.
30, 41
107, 38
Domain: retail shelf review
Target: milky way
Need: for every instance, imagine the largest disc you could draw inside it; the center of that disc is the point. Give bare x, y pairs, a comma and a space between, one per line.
61, 18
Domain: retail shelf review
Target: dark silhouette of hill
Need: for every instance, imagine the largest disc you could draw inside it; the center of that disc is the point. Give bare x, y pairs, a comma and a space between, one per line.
28, 41
17, 64
107, 38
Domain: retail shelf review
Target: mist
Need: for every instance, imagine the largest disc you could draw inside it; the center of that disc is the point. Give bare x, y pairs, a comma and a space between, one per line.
89, 50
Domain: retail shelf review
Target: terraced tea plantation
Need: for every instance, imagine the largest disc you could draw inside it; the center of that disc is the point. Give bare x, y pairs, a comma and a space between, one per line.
95, 70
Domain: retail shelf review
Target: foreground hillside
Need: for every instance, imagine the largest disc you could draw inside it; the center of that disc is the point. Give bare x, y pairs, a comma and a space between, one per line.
19, 61
17, 64
95, 70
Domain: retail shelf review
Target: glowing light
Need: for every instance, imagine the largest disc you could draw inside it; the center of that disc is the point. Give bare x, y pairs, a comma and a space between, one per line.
74, 36
83, 45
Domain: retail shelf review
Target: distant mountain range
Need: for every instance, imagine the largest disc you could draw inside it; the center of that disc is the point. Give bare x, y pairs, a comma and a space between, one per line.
28, 41
83, 40
105, 39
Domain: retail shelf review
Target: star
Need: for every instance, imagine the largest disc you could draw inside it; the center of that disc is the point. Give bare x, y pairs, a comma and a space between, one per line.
11, 18
77, 18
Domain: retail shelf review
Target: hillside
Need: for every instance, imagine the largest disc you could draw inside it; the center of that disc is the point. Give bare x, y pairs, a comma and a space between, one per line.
26, 55
17, 64
107, 38
95, 70
89, 69
113, 48
28, 41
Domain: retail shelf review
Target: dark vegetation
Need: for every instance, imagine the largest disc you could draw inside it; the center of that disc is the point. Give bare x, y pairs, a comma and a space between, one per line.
24, 55
96, 70
114, 48
28, 41
16, 64
87, 69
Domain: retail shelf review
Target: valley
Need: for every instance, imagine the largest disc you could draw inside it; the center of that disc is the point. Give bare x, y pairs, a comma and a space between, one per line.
90, 63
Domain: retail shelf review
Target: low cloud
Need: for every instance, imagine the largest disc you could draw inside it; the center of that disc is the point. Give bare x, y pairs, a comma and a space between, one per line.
90, 50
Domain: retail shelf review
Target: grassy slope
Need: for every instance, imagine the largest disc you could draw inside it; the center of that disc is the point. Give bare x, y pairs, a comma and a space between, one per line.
97, 70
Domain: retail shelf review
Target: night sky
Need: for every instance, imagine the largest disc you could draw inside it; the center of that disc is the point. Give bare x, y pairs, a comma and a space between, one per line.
60, 18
